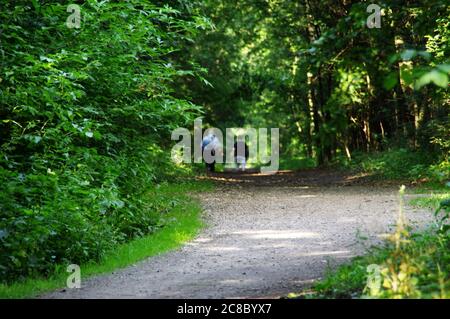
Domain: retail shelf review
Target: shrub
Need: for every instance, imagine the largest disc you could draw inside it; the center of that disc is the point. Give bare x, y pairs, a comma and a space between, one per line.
85, 117
401, 164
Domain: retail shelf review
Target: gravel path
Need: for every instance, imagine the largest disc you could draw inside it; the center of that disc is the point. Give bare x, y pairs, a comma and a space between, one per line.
266, 236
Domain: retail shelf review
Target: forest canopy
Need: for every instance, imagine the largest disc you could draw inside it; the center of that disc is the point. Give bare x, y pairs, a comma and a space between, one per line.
332, 85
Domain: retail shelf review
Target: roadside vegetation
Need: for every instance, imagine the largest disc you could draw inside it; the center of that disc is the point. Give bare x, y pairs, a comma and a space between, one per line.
178, 222
87, 112
86, 116
409, 265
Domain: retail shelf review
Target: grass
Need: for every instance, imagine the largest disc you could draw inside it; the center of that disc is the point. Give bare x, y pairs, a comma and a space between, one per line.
394, 164
296, 163
181, 224
436, 192
427, 271
409, 265
432, 201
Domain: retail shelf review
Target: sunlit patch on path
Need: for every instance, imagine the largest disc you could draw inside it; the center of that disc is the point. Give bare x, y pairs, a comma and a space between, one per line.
266, 236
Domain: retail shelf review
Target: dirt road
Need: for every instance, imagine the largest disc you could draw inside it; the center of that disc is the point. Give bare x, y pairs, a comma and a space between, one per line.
266, 236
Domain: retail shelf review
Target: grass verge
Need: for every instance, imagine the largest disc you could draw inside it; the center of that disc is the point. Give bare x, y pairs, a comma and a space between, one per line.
180, 224
435, 193
297, 163
409, 265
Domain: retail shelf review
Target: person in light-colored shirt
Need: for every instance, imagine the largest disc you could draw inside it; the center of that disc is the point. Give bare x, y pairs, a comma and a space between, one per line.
212, 144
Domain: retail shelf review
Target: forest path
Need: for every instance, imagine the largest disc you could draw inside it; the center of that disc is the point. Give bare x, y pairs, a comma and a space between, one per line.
266, 236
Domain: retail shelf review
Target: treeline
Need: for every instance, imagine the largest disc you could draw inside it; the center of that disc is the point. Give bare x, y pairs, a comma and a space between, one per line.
86, 113
86, 110
332, 84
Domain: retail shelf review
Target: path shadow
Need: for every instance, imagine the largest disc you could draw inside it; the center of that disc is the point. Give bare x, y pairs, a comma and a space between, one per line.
311, 178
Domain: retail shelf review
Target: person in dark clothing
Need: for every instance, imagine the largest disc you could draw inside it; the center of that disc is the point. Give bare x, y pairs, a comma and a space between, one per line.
212, 143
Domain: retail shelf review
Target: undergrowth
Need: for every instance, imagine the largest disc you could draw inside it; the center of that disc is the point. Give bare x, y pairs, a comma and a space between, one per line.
409, 265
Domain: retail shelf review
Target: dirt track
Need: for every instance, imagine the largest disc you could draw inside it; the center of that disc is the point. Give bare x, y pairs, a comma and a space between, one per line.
266, 236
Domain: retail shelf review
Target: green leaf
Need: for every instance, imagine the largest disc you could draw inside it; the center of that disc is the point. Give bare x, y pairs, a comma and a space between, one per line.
36, 5
407, 55
393, 58
425, 54
406, 75
434, 76
3, 233
390, 81
444, 67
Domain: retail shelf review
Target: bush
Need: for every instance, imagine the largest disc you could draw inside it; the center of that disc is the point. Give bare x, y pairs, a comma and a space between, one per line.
85, 119
400, 164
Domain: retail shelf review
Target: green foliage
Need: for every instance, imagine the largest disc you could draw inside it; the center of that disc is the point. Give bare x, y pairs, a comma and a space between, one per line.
408, 266
417, 76
85, 116
296, 163
180, 223
332, 85
431, 201
400, 164
427, 258
86, 113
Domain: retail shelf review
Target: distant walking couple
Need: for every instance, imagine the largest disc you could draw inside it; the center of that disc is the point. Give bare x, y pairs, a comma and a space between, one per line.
241, 151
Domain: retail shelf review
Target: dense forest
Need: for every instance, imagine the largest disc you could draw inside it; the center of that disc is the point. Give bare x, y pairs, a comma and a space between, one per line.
331, 84
87, 110
85, 114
